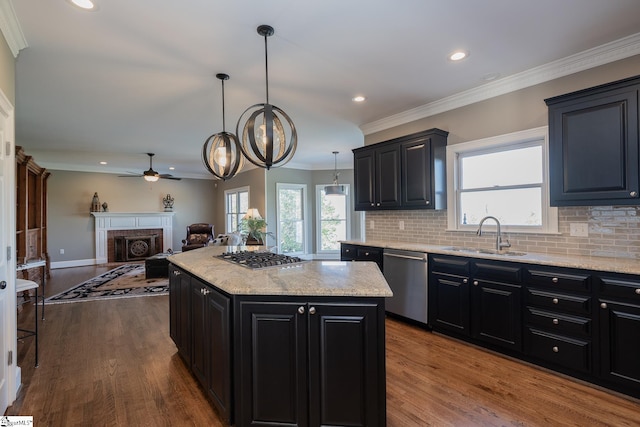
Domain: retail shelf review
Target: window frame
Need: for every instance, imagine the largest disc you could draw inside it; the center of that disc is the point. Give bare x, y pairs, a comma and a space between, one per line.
305, 234
319, 190
499, 143
237, 191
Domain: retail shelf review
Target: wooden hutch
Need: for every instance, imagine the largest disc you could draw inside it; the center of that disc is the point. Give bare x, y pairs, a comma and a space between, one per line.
31, 216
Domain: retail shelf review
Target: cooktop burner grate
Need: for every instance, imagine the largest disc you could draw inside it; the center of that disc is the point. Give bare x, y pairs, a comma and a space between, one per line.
257, 259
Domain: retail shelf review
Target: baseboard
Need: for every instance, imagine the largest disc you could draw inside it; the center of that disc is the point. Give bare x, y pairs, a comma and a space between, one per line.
74, 263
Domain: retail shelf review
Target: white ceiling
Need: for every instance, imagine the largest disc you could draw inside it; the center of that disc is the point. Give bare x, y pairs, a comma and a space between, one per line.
139, 76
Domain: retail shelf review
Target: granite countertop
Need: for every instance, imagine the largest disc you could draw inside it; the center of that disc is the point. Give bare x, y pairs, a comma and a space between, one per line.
617, 265
309, 278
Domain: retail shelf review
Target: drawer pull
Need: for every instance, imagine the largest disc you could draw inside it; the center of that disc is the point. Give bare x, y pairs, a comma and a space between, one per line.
366, 254
554, 280
555, 321
638, 291
475, 283
555, 300
555, 349
633, 193
176, 273
301, 309
465, 280
603, 305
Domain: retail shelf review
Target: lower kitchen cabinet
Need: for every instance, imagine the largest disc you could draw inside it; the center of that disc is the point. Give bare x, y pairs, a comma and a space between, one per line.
473, 299
310, 363
179, 307
351, 252
211, 347
619, 315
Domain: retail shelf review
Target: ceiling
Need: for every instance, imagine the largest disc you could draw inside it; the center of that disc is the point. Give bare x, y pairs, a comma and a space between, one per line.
139, 76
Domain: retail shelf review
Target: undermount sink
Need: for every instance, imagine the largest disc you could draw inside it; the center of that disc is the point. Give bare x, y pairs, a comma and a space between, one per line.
484, 251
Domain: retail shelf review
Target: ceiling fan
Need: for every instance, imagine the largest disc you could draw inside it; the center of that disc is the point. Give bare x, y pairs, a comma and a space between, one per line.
151, 175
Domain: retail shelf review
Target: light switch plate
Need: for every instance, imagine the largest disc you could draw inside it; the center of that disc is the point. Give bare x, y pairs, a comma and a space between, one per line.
579, 229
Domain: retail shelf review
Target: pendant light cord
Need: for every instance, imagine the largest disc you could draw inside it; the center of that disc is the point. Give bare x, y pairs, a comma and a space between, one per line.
223, 124
266, 66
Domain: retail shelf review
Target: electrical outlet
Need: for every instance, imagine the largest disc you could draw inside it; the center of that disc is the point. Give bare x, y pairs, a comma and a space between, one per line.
372, 225
401, 225
579, 229
61, 251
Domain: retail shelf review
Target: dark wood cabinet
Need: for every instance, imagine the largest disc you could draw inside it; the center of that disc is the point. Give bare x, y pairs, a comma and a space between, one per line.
179, 307
377, 178
305, 362
477, 299
594, 146
403, 173
619, 315
351, 252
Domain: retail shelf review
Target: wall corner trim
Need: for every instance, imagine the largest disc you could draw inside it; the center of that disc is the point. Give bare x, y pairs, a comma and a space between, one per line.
11, 29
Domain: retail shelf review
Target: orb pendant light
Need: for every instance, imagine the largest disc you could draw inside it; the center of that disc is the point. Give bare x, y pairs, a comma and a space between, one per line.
221, 153
269, 137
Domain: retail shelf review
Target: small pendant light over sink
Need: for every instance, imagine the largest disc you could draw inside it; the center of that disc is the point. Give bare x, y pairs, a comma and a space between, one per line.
335, 189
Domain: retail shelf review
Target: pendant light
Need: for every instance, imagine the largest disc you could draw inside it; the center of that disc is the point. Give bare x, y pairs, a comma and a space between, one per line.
264, 138
335, 189
221, 153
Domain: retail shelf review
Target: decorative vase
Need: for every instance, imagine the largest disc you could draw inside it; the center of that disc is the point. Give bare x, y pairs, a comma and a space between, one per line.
95, 203
105, 207
167, 201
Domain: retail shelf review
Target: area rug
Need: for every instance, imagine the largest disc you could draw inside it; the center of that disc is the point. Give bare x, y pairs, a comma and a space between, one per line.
125, 281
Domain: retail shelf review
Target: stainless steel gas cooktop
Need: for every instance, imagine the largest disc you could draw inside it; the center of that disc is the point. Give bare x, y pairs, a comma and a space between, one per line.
259, 259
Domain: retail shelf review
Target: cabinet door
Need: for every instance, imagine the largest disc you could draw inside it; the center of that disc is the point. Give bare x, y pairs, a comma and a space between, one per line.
364, 176
387, 172
620, 343
179, 307
272, 385
593, 145
346, 354
417, 183
449, 303
199, 337
497, 313
219, 355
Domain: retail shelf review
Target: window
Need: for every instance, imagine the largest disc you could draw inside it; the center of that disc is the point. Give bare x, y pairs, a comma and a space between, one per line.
506, 177
290, 211
236, 205
333, 222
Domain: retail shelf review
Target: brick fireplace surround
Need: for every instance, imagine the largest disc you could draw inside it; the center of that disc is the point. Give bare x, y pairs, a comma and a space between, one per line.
111, 224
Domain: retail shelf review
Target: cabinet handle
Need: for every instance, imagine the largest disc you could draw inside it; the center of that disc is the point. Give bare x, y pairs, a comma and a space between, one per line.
378, 204
347, 250
427, 202
3, 285
475, 283
555, 300
555, 349
638, 291
312, 310
465, 281
301, 309
633, 194
366, 254
176, 273
554, 280
603, 305
555, 321
372, 204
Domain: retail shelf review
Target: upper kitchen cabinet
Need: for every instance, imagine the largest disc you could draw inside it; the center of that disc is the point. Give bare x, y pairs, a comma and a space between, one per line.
594, 146
402, 173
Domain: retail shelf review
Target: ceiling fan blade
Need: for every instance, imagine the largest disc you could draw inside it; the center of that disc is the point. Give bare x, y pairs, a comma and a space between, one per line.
130, 176
167, 176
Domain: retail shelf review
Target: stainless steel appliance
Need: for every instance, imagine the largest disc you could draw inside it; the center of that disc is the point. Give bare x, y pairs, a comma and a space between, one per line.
407, 275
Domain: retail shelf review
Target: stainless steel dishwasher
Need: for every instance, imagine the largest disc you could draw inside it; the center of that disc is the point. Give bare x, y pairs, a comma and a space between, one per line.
407, 275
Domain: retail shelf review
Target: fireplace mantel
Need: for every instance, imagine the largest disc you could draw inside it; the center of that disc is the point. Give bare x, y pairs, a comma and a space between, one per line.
106, 221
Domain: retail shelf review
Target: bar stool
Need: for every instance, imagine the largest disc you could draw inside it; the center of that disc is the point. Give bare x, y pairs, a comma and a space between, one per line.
25, 285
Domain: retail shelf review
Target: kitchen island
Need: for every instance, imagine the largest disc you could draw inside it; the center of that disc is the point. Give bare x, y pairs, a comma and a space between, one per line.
296, 344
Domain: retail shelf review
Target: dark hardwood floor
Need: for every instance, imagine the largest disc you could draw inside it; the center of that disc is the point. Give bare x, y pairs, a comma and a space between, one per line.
113, 363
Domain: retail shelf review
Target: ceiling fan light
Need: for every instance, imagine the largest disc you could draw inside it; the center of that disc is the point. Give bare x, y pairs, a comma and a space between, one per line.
151, 178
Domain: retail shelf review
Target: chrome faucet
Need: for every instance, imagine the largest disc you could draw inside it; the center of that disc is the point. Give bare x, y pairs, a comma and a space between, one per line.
499, 243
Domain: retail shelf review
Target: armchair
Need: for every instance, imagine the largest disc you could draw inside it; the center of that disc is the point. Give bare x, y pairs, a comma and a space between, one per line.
198, 236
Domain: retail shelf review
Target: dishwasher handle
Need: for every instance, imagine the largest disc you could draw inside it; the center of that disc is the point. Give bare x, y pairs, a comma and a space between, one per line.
414, 258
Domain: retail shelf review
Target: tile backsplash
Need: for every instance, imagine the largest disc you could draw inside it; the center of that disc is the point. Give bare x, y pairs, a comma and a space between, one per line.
614, 231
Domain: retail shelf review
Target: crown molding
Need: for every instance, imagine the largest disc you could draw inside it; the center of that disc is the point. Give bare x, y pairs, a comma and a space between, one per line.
11, 28
601, 55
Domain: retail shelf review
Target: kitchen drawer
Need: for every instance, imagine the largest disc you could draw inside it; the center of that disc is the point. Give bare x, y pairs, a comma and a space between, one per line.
556, 301
558, 323
618, 287
449, 264
569, 353
498, 271
562, 279
348, 252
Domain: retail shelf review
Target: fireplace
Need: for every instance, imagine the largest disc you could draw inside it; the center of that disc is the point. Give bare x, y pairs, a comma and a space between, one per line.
142, 234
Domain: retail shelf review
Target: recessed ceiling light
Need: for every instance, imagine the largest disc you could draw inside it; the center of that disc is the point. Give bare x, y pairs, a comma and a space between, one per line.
458, 55
358, 98
84, 4
103, 163
171, 168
